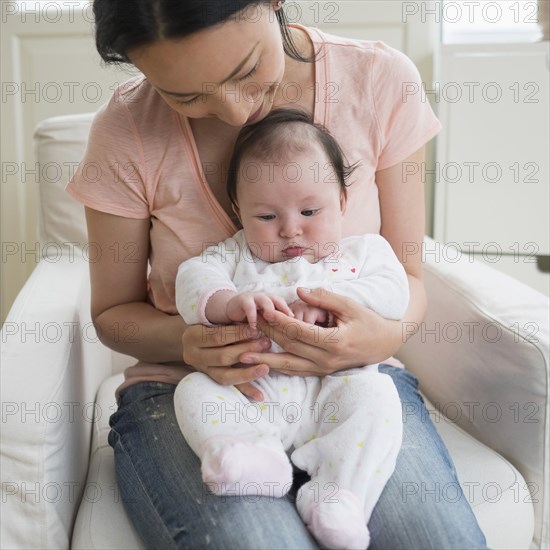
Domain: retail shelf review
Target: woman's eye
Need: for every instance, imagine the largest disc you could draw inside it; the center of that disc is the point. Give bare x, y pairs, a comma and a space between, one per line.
196, 98
251, 73
309, 212
187, 101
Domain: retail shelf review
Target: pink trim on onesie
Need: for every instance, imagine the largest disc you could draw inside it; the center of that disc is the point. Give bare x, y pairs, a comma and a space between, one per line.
203, 301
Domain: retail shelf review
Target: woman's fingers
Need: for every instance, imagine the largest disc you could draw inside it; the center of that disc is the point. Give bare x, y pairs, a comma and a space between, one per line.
220, 346
250, 391
211, 337
339, 305
300, 372
231, 376
290, 333
227, 356
216, 350
287, 363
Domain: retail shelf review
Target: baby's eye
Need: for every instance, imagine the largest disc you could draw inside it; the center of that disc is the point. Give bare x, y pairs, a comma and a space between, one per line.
311, 212
266, 217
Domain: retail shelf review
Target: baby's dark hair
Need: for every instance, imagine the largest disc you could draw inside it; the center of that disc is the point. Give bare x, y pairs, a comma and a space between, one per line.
282, 133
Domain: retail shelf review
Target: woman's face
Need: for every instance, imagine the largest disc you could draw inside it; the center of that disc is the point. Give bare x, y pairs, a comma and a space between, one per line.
231, 71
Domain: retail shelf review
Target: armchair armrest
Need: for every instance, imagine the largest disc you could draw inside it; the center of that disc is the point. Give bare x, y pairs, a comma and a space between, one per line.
52, 365
481, 356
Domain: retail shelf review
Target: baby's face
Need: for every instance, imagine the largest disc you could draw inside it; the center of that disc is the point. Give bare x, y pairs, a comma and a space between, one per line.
291, 208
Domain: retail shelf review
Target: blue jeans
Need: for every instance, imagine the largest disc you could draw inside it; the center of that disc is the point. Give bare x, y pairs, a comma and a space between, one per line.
160, 483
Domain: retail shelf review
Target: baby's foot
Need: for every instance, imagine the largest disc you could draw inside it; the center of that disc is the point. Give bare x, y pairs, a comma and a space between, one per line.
237, 467
336, 519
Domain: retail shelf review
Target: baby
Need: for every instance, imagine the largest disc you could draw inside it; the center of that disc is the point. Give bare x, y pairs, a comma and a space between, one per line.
287, 183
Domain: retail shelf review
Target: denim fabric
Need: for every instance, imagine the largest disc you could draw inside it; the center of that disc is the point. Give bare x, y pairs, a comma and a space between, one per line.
160, 483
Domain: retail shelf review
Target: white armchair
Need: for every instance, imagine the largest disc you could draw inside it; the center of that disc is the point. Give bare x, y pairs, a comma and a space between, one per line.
481, 357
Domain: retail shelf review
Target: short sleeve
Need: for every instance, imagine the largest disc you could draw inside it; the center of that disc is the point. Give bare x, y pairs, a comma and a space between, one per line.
404, 116
111, 177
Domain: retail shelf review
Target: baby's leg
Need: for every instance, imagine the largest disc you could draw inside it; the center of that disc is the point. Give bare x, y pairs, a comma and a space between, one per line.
349, 457
240, 450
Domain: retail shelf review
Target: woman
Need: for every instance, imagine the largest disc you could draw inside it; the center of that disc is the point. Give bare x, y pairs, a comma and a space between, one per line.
156, 195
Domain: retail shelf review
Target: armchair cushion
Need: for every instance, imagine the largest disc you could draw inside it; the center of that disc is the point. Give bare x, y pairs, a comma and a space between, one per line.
59, 143
102, 522
495, 489
481, 356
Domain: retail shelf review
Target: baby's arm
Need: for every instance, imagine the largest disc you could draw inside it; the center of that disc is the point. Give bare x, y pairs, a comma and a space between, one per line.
206, 294
201, 277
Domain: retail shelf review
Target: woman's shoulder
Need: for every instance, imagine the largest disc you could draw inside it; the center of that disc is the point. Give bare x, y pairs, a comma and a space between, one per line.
133, 103
321, 37
135, 92
372, 52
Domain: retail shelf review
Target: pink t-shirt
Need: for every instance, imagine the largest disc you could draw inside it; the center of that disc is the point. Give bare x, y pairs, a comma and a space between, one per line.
142, 162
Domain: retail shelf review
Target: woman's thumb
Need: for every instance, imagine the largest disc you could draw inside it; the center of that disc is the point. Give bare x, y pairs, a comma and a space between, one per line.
324, 299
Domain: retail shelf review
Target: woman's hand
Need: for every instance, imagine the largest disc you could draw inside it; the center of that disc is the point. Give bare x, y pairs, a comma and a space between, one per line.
359, 337
216, 351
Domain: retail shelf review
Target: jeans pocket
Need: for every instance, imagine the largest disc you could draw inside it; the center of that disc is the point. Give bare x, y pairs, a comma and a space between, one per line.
113, 438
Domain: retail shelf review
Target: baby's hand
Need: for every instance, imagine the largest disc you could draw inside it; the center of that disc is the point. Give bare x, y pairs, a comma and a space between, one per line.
309, 314
244, 306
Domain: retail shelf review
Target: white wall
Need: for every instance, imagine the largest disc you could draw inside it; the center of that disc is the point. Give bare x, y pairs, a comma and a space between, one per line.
50, 68
493, 169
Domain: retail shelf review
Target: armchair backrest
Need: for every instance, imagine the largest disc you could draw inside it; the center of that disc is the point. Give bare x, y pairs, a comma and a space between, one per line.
59, 145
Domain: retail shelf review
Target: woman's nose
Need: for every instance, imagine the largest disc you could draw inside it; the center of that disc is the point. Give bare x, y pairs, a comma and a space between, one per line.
233, 111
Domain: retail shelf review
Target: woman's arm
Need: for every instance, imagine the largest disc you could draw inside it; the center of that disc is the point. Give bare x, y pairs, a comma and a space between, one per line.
127, 323
361, 336
124, 320
402, 209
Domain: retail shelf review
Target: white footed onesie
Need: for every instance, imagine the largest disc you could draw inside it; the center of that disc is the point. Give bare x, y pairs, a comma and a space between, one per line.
344, 430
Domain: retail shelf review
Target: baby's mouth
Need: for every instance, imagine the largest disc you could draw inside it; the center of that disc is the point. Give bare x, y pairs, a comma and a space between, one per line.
295, 250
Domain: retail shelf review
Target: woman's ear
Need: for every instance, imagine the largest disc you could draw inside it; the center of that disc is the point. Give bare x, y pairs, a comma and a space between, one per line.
235, 209
343, 202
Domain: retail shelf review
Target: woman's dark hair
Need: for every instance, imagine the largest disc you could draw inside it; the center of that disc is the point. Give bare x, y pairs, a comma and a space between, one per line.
123, 25
278, 135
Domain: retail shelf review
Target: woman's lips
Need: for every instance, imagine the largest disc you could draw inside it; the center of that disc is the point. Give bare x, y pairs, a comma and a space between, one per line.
255, 116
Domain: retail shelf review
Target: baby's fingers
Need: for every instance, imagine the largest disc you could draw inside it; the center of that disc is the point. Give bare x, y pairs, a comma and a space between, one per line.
315, 315
281, 305
310, 316
264, 303
251, 312
298, 315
